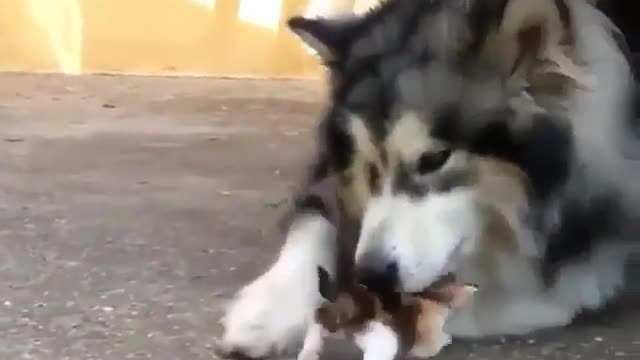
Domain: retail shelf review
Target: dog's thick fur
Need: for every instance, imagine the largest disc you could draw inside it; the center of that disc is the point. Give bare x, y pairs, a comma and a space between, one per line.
493, 138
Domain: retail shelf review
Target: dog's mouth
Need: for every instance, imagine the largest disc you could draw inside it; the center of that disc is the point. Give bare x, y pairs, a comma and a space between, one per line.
392, 300
439, 291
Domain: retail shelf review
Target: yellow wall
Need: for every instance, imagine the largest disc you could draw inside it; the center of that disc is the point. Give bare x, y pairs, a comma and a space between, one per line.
211, 37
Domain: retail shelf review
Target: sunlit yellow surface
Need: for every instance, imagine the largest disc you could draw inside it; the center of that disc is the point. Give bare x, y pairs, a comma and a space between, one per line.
61, 27
209, 4
264, 13
204, 37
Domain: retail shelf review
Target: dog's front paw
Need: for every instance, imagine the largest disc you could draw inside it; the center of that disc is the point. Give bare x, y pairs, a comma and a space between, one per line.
270, 315
256, 327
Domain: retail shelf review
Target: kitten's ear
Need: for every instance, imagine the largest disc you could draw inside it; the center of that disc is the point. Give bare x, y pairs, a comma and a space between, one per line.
329, 38
462, 294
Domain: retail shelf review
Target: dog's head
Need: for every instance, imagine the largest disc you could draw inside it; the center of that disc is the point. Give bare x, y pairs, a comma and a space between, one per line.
411, 84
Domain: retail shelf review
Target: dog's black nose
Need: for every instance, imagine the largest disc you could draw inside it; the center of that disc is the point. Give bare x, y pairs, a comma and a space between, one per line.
380, 277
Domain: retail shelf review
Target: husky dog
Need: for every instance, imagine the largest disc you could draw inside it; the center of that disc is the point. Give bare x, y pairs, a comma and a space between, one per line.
491, 138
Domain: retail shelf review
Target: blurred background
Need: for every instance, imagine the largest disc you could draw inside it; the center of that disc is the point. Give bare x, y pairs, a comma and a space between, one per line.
204, 37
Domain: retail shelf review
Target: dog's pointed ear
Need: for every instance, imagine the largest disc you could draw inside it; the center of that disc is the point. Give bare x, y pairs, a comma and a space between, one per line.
532, 40
327, 37
523, 28
540, 26
551, 15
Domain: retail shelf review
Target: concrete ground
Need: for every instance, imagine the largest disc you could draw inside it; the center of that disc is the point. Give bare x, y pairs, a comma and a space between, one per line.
131, 208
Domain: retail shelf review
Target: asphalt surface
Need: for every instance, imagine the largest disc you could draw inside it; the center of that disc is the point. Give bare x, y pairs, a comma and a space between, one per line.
132, 208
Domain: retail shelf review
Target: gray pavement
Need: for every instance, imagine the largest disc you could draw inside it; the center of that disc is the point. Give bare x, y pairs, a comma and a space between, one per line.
131, 208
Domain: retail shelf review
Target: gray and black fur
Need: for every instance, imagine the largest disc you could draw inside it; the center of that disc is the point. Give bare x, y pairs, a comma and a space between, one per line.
370, 84
525, 115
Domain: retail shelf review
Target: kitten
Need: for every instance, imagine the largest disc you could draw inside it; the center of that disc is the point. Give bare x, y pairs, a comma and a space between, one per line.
413, 325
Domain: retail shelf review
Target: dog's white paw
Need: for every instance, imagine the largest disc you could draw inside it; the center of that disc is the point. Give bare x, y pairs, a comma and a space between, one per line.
270, 315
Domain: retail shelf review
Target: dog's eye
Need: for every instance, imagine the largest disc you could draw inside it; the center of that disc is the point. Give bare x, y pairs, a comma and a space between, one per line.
432, 161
